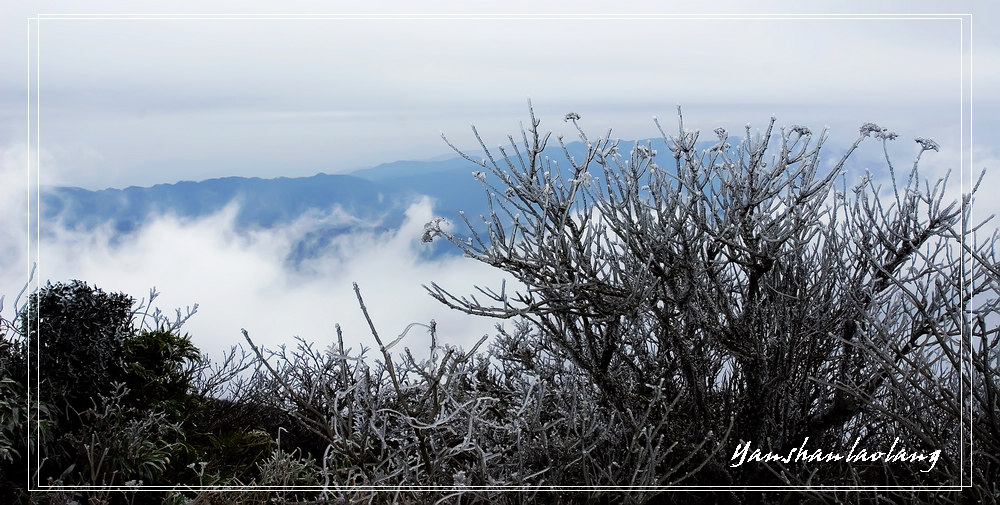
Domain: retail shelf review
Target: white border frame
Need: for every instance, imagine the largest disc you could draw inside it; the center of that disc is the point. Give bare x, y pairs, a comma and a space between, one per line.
34, 219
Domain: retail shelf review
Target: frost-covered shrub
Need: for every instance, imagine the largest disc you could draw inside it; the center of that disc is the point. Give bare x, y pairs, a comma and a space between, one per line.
77, 334
123, 398
743, 292
462, 421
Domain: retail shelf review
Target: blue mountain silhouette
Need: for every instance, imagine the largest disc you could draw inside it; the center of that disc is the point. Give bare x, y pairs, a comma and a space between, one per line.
377, 197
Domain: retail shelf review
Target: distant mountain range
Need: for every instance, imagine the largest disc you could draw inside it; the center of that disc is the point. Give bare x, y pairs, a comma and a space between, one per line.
377, 197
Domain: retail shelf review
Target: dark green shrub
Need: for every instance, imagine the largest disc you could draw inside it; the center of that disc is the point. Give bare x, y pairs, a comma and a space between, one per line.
77, 333
126, 403
157, 369
19, 428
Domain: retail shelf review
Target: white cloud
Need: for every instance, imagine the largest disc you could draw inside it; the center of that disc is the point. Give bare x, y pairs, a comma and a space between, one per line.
14, 253
240, 280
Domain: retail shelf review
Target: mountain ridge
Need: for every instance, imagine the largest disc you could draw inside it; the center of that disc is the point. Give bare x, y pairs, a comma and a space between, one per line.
376, 197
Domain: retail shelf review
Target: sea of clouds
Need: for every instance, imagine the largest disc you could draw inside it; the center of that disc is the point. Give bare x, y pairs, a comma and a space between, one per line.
241, 279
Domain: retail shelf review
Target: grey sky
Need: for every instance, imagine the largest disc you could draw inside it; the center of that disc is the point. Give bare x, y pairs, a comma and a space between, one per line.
139, 101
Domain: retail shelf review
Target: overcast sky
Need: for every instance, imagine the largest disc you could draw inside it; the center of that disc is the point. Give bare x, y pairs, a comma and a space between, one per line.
143, 99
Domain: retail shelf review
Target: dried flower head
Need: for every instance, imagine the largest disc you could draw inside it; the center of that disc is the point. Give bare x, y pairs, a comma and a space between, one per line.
878, 131
869, 128
928, 144
432, 230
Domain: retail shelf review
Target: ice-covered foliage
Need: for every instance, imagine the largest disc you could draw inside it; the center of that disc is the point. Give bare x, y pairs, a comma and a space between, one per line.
740, 288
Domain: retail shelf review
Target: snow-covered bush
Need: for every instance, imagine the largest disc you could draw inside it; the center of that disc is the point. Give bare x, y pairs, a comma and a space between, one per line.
751, 291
